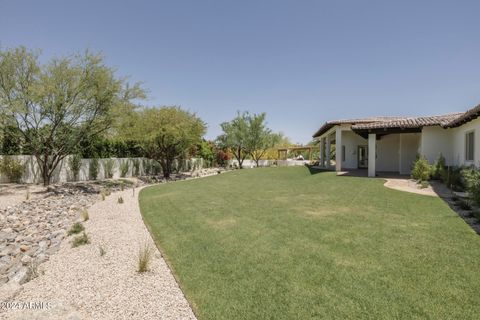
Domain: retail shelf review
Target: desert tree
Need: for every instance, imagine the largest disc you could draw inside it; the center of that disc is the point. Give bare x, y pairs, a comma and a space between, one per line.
235, 137
260, 138
58, 104
168, 133
247, 135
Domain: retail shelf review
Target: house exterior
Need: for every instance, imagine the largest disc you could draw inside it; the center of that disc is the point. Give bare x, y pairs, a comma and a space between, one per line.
391, 144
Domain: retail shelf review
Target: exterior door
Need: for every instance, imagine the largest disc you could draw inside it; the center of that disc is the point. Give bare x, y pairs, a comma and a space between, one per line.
362, 157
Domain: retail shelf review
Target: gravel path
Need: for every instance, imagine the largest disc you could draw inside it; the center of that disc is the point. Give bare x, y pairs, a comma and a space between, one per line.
81, 284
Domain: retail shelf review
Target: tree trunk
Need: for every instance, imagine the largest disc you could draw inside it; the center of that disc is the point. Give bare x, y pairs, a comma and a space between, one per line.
46, 175
239, 158
257, 161
167, 168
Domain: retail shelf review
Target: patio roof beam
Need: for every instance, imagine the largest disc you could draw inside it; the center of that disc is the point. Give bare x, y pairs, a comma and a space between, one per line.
379, 132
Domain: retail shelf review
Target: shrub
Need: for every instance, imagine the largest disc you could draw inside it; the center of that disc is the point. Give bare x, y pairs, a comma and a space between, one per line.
12, 168
147, 166
222, 158
75, 163
136, 167
421, 170
454, 178
472, 179
476, 214
108, 166
464, 205
120, 200
156, 168
93, 169
77, 227
124, 167
80, 240
424, 184
144, 256
439, 171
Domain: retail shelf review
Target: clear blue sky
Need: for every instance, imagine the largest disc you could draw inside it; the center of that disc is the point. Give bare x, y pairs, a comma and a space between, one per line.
302, 62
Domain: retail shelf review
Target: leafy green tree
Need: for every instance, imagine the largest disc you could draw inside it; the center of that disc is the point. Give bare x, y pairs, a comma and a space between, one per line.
168, 133
260, 138
248, 135
206, 151
236, 137
11, 140
57, 105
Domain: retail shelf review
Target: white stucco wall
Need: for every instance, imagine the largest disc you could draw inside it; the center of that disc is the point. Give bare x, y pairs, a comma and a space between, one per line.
388, 153
63, 173
392, 156
351, 141
409, 149
458, 142
436, 140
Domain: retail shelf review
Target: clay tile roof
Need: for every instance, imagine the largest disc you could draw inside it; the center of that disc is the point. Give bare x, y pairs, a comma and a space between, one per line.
465, 117
330, 124
450, 120
446, 120
409, 122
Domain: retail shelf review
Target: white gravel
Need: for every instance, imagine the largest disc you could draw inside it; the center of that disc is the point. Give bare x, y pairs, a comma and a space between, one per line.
81, 284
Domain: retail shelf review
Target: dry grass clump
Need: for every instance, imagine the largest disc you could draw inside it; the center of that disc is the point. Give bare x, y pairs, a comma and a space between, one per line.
84, 215
77, 227
80, 240
145, 255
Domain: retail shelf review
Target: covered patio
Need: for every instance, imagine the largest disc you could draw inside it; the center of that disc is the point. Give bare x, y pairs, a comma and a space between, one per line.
369, 150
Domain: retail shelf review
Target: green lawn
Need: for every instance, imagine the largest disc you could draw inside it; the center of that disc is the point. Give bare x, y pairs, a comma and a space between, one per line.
282, 243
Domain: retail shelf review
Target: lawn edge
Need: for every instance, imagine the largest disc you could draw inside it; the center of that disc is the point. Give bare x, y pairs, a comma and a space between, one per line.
192, 305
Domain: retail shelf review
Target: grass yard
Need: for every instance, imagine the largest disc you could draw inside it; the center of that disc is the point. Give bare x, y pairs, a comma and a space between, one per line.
282, 243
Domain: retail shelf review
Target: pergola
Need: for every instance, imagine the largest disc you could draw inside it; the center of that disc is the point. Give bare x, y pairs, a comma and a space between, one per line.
285, 151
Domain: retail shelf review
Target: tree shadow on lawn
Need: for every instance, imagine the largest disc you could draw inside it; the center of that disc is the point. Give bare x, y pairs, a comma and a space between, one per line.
315, 170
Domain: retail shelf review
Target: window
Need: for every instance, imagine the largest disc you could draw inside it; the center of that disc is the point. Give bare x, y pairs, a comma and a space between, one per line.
343, 153
469, 145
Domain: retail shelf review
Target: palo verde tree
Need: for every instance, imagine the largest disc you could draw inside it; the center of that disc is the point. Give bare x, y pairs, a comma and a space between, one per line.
168, 133
236, 137
247, 135
260, 138
58, 104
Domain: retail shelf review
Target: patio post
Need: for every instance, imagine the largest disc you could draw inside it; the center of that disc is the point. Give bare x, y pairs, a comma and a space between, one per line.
338, 149
372, 144
327, 153
322, 152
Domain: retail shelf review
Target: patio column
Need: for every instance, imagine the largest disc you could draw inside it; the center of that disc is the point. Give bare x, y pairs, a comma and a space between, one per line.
320, 158
327, 153
372, 144
338, 149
